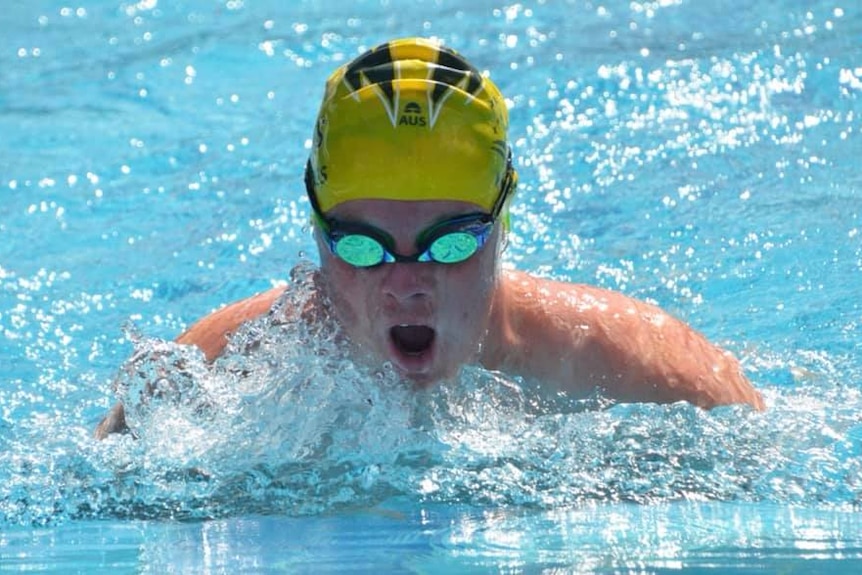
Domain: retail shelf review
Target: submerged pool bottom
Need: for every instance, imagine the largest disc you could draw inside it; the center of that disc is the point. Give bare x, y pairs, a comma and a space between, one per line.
398, 537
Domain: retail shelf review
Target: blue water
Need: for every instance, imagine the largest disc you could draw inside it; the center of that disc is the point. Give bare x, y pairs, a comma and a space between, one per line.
703, 155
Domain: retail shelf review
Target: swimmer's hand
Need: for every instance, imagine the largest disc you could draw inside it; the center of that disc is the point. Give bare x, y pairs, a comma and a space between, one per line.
113, 422
156, 372
211, 335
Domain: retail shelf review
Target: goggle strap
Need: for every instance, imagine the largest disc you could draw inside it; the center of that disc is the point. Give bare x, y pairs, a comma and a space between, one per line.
311, 191
507, 187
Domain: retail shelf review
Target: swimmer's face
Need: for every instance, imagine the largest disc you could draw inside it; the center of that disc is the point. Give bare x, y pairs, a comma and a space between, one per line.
427, 319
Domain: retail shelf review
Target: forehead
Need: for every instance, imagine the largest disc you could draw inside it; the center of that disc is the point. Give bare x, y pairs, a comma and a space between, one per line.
402, 213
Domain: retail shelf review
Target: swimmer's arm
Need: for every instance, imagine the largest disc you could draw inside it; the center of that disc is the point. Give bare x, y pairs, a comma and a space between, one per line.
211, 335
586, 339
652, 356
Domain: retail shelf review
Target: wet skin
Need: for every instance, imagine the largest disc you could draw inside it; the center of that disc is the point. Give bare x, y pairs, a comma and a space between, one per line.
429, 319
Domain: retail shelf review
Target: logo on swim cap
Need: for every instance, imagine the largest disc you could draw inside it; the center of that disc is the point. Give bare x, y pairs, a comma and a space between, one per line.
409, 120
412, 116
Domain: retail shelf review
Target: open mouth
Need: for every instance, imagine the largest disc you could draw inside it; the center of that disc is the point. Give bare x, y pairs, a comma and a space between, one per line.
412, 339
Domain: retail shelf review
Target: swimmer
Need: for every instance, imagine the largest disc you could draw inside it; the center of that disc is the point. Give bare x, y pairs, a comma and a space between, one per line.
410, 179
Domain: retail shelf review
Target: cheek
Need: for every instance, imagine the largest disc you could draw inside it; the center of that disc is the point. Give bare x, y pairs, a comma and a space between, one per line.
473, 289
345, 289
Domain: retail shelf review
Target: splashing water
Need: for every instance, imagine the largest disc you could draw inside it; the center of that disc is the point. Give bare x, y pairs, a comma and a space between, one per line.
283, 412
285, 423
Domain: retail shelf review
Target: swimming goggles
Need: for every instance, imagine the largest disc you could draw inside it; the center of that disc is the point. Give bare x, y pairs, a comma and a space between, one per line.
450, 241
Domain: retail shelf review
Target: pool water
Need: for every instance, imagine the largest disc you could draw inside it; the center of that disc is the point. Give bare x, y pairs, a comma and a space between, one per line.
702, 155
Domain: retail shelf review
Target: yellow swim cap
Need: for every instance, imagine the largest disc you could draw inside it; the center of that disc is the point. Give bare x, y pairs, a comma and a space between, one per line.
410, 120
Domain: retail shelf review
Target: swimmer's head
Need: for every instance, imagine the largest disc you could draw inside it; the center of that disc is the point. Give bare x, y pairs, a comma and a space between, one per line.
411, 120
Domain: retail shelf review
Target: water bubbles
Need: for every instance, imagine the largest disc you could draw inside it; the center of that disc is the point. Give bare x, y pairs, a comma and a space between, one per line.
268, 47
69, 12
191, 74
34, 52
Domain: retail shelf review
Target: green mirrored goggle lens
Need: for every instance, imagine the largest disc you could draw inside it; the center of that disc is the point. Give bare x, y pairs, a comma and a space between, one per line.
447, 242
453, 247
360, 251
364, 251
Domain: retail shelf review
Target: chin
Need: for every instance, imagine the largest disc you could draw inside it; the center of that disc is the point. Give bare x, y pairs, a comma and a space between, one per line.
427, 378
421, 381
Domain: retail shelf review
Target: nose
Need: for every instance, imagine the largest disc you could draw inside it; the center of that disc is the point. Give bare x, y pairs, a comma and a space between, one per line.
405, 282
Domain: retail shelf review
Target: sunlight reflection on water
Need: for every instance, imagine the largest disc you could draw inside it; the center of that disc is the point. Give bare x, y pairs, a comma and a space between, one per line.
150, 169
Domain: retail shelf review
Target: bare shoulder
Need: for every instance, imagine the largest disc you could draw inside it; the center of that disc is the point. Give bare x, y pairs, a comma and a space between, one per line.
583, 337
211, 333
